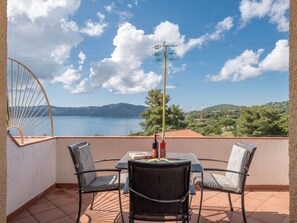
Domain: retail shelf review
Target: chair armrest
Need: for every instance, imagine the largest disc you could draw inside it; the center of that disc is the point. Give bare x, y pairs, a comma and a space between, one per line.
126, 186
182, 199
192, 190
104, 160
224, 170
98, 170
212, 160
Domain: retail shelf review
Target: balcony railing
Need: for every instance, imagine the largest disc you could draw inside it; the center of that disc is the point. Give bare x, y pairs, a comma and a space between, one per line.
34, 168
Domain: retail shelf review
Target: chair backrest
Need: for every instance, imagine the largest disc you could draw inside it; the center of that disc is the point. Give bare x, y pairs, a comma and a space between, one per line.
160, 181
83, 160
240, 160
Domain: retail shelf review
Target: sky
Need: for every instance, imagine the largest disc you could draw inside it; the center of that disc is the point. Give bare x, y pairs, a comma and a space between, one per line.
99, 52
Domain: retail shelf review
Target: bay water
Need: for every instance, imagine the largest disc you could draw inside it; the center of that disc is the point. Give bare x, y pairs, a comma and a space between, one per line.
91, 126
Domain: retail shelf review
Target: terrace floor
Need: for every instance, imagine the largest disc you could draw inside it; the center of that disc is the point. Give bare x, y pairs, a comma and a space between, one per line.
60, 206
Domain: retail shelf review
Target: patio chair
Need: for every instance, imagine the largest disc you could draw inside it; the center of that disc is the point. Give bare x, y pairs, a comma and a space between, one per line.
233, 182
88, 181
159, 191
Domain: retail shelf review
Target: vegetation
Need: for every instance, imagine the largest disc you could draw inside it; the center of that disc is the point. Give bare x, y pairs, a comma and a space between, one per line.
268, 120
228, 120
260, 121
152, 116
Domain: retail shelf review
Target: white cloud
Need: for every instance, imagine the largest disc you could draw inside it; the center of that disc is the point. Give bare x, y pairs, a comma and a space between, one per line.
94, 28
247, 65
109, 8
173, 70
40, 34
239, 68
36, 9
68, 26
170, 87
278, 59
81, 88
101, 16
223, 26
122, 71
275, 10
82, 57
69, 77
61, 53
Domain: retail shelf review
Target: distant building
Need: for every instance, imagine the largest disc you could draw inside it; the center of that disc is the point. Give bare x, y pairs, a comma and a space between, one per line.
183, 132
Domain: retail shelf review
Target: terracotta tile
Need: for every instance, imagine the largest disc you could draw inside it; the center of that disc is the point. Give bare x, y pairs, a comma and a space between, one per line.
28, 219
250, 205
62, 201
282, 195
41, 207
268, 216
277, 201
49, 215
271, 208
56, 193
286, 220
65, 219
72, 208
267, 207
23, 214
41, 200
259, 195
70, 191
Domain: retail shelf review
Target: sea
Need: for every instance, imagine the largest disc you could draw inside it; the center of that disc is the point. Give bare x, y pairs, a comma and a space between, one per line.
92, 126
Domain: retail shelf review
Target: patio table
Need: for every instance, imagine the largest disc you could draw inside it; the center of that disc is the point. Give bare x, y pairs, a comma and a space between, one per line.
195, 167
195, 164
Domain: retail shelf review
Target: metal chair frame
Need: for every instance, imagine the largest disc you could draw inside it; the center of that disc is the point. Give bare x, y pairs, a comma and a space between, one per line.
252, 150
157, 216
81, 190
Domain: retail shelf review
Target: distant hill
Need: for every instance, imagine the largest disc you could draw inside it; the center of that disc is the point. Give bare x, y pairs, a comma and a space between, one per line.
120, 110
222, 107
282, 106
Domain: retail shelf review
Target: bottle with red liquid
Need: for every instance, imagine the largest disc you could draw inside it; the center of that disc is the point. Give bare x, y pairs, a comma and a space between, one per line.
163, 148
155, 147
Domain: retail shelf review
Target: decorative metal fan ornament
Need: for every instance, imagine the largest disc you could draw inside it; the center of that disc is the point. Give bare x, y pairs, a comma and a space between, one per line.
28, 108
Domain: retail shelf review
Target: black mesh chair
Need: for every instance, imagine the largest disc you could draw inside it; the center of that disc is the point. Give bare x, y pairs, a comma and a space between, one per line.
233, 182
88, 181
159, 191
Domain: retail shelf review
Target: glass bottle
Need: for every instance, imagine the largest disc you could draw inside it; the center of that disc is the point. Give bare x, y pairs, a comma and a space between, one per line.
163, 148
155, 147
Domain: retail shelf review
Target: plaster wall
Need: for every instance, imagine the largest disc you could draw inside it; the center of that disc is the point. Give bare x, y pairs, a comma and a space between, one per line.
269, 166
30, 171
3, 124
293, 111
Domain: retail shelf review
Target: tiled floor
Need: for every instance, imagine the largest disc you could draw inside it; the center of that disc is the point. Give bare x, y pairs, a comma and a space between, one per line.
60, 206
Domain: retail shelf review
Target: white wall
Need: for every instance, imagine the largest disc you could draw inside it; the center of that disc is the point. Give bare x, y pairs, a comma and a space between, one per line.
269, 167
30, 171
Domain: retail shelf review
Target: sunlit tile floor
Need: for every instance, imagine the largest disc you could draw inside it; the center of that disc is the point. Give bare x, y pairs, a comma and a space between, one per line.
60, 206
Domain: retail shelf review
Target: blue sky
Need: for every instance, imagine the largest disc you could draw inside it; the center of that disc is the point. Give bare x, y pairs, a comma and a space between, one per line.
97, 52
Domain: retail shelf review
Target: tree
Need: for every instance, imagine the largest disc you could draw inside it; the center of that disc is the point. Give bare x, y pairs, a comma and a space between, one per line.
175, 117
227, 122
259, 121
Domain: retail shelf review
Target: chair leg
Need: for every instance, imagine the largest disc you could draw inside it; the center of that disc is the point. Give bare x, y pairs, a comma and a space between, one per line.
230, 202
79, 206
92, 203
242, 208
201, 198
120, 203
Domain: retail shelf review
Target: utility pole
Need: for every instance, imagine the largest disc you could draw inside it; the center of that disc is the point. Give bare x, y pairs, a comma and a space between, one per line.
165, 58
